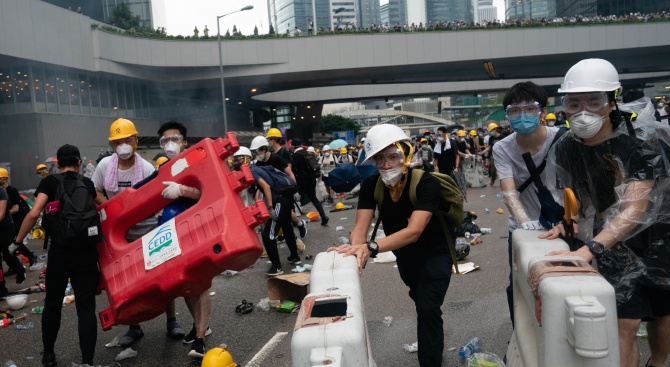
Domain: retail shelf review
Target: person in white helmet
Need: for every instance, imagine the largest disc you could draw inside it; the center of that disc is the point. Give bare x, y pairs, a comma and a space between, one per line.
618, 171
328, 163
413, 233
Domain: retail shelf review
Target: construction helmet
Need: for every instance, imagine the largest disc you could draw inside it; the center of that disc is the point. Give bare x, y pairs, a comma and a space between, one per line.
381, 136
343, 150
326, 147
121, 128
339, 206
243, 152
591, 75
317, 150
461, 133
473, 133
258, 142
274, 133
3, 173
550, 116
423, 140
41, 167
218, 357
160, 161
492, 126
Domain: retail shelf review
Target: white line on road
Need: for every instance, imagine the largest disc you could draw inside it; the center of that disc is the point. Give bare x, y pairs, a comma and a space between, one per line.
266, 350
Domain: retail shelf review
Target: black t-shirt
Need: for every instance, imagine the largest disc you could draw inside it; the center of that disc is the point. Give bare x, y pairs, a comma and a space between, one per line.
492, 141
462, 146
446, 159
395, 216
275, 161
15, 199
285, 155
7, 220
301, 168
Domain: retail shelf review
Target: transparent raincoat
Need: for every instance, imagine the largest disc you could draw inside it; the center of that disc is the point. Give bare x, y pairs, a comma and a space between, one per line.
622, 186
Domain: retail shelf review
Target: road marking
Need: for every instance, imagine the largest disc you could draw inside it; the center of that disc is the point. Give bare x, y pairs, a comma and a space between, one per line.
266, 350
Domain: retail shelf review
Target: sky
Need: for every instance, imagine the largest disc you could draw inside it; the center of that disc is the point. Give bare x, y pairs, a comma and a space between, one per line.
183, 16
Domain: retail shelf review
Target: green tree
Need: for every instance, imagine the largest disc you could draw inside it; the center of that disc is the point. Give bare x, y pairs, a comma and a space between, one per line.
330, 123
272, 30
234, 29
228, 33
255, 31
123, 18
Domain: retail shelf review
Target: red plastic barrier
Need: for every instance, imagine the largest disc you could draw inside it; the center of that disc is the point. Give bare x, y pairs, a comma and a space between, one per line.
214, 235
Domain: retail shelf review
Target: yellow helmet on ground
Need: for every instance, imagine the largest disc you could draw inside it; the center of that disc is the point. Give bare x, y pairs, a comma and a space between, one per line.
339, 206
218, 357
160, 161
3, 173
121, 128
492, 126
461, 133
473, 133
343, 150
274, 133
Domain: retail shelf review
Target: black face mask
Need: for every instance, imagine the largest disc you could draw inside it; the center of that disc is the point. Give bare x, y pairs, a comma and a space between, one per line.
237, 166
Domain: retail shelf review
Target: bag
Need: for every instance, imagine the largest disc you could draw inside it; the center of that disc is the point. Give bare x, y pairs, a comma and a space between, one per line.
468, 225
450, 213
72, 219
311, 168
279, 181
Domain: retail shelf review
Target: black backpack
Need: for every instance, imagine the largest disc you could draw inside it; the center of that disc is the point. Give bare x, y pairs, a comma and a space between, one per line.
311, 168
279, 181
72, 218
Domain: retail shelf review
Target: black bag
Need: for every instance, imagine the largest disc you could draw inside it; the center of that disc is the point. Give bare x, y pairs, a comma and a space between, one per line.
279, 181
468, 225
311, 167
72, 218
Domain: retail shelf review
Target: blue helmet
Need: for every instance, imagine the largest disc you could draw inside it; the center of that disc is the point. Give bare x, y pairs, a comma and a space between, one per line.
172, 211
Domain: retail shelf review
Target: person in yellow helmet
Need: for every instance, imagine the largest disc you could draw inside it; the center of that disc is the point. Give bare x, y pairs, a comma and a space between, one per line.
42, 170
550, 119
345, 157
8, 207
494, 135
113, 175
18, 209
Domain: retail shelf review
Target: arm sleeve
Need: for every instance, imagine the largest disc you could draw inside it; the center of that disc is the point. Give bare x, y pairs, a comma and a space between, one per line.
366, 199
428, 194
43, 187
503, 165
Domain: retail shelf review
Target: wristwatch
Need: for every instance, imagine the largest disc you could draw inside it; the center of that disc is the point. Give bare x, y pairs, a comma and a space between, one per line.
374, 248
596, 248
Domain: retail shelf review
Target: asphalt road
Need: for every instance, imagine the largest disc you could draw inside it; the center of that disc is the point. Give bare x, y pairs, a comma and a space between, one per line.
475, 305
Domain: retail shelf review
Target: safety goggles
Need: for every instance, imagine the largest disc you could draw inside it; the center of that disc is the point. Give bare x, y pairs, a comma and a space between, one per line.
515, 110
390, 157
592, 102
259, 150
166, 139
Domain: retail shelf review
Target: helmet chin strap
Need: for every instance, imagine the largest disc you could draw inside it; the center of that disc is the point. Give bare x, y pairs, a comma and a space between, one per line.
405, 166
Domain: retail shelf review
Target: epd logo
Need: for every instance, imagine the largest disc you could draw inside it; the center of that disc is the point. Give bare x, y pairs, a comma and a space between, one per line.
160, 240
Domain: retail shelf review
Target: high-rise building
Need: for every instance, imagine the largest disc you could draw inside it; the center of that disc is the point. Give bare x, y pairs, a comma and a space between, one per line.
397, 12
532, 9
369, 13
449, 10
151, 12
384, 13
485, 12
344, 13
416, 12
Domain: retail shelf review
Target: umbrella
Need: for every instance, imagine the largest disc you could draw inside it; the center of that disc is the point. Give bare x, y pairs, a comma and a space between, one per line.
344, 177
459, 178
451, 128
550, 211
570, 203
366, 170
51, 160
337, 144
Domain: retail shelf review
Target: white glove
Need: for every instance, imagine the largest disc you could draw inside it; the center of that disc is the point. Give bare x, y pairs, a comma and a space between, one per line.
532, 225
172, 190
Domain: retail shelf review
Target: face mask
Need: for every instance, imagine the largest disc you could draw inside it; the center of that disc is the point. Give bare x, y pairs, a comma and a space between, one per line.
440, 138
260, 157
427, 136
171, 149
124, 151
551, 123
491, 133
425, 146
559, 119
391, 176
586, 124
480, 134
525, 124
461, 139
237, 166
327, 154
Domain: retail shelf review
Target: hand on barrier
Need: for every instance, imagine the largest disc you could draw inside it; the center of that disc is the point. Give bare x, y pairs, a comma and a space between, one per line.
172, 190
532, 225
557, 231
360, 251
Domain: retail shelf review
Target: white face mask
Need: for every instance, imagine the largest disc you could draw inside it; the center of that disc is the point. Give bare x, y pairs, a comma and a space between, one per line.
124, 151
551, 123
586, 124
327, 154
260, 157
171, 149
440, 138
391, 176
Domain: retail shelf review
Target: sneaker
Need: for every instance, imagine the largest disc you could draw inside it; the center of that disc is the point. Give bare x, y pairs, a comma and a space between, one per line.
300, 245
302, 228
274, 271
294, 260
175, 330
188, 339
21, 276
324, 221
264, 254
49, 360
131, 336
43, 273
197, 348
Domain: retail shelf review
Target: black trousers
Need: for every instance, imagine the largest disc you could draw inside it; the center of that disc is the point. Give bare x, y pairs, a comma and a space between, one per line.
308, 189
6, 239
81, 266
283, 208
428, 280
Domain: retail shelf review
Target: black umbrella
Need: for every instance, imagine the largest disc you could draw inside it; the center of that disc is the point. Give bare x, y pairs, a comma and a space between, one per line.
459, 178
344, 178
551, 212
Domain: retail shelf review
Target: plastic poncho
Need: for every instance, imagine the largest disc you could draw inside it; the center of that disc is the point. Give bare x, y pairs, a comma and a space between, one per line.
642, 107
623, 190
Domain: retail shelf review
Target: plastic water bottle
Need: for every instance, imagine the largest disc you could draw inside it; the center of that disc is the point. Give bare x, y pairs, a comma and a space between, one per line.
487, 210
24, 327
342, 241
469, 349
10, 363
68, 290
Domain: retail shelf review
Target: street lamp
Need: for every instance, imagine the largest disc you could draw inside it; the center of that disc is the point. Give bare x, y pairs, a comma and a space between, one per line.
223, 90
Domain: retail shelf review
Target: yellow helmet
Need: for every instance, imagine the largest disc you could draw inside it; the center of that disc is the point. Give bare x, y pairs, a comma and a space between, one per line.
3, 173
121, 128
40, 167
273, 133
160, 161
343, 150
550, 116
339, 206
473, 133
461, 133
492, 126
218, 357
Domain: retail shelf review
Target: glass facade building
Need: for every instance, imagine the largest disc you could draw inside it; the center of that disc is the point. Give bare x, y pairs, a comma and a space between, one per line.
141, 8
449, 10
397, 12
530, 9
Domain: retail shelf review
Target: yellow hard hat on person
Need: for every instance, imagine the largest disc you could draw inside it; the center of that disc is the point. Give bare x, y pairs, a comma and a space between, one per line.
40, 167
160, 161
461, 133
273, 133
343, 150
339, 206
550, 116
3, 173
122, 128
218, 357
423, 140
492, 126
473, 133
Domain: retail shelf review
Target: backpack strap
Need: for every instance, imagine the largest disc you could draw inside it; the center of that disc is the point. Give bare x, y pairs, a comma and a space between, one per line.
379, 199
539, 169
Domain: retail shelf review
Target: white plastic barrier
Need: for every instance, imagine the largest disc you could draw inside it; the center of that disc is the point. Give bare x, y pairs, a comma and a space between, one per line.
570, 320
331, 329
474, 171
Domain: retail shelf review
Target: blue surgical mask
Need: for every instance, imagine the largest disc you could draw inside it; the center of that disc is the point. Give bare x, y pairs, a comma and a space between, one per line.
525, 124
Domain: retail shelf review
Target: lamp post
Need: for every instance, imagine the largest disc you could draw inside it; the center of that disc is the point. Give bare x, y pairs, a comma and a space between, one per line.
313, 17
223, 90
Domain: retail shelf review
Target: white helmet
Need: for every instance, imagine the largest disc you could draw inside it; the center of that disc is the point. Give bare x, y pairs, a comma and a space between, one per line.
326, 147
311, 150
259, 141
381, 136
591, 75
243, 152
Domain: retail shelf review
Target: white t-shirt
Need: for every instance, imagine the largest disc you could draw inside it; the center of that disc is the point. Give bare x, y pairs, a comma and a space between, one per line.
509, 163
125, 177
328, 164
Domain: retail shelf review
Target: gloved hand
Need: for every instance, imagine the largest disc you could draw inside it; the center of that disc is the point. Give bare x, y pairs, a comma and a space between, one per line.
532, 225
14, 246
172, 190
273, 215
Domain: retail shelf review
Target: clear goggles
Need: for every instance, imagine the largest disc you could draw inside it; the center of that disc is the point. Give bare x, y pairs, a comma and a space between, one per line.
391, 157
260, 150
515, 110
592, 102
166, 139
